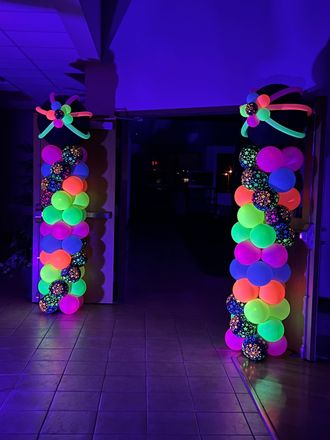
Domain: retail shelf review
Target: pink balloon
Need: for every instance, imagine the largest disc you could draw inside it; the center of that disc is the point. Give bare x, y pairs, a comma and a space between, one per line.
51, 154
81, 230
69, 304
293, 158
246, 253
61, 230
270, 159
277, 348
275, 255
233, 342
45, 229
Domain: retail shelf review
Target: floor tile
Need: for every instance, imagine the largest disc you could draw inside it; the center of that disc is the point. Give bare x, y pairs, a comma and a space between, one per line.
256, 424
127, 354
218, 402
80, 383
28, 400
54, 354
119, 437
85, 368
123, 402
228, 437
65, 437
214, 369
222, 423
89, 354
69, 422
121, 423
35, 382
8, 381
159, 384
246, 403
21, 422
115, 368
122, 384
165, 369
75, 401
172, 423
204, 384
238, 385
173, 437
169, 401
45, 367
58, 343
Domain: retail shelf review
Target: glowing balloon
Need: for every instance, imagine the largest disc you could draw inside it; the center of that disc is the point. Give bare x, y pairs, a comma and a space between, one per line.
249, 216
44, 257
282, 274
280, 311
271, 330
263, 236
60, 259
272, 293
290, 199
246, 253
270, 159
256, 311
69, 304
43, 287
232, 341
243, 196
244, 291
51, 154
45, 170
283, 179
73, 185
45, 229
275, 255
85, 185
278, 348
81, 230
49, 273
73, 215
240, 233
237, 270
293, 158
78, 288
51, 215
81, 170
61, 230
61, 200
259, 273
72, 244
81, 200
50, 244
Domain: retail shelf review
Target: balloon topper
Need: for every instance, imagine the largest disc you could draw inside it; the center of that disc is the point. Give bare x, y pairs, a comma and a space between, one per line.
61, 115
258, 109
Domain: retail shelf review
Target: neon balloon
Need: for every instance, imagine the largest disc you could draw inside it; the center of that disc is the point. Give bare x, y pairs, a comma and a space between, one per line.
272, 293
240, 233
49, 273
278, 348
45, 229
73, 185
246, 253
50, 244
43, 287
237, 270
233, 342
259, 273
243, 195
78, 288
249, 216
271, 330
280, 311
270, 159
61, 230
81, 170
73, 215
60, 259
263, 236
256, 311
293, 158
61, 200
275, 255
290, 199
72, 244
70, 304
282, 179
51, 154
51, 215
245, 291
44, 257
81, 200
282, 274
45, 170
81, 230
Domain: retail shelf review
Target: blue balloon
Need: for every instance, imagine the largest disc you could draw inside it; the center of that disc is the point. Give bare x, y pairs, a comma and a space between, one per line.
50, 244
282, 179
72, 244
81, 170
259, 273
45, 170
282, 273
237, 270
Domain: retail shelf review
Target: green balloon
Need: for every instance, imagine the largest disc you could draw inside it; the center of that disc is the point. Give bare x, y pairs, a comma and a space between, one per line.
43, 287
78, 288
51, 215
49, 274
256, 311
81, 200
61, 200
249, 216
72, 216
271, 330
263, 236
280, 311
240, 233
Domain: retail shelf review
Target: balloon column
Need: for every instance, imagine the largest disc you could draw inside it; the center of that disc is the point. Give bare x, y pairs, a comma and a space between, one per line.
63, 201
262, 234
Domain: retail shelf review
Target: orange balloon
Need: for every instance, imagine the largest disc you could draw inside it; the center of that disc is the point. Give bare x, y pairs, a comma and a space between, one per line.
60, 259
85, 185
243, 196
73, 185
290, 199
272, 293
245, 291
44, 257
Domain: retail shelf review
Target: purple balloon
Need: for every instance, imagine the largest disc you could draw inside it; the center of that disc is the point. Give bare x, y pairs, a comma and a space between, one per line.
293, 158
270, 159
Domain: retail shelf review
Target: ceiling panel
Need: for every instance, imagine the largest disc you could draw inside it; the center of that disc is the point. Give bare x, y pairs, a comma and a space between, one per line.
26, 5
41, 39
5, 41
31, 21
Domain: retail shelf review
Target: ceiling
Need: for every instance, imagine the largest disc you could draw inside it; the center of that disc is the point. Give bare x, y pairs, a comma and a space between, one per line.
45, 43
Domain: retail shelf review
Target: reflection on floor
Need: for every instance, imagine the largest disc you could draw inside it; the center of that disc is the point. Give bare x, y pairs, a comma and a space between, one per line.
294, 393
151, 368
